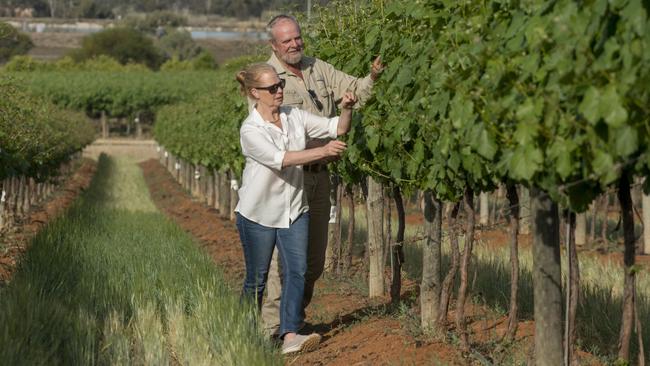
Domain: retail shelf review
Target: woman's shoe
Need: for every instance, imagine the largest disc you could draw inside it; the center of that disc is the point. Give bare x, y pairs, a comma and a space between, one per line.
301, 343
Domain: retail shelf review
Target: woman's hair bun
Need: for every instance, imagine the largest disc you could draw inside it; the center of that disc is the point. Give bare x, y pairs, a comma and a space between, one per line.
249, 77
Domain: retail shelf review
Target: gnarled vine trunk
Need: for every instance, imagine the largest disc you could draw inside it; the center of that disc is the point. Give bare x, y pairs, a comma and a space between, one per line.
573, 292
645, 249
513, 231
627, 214
448, 282
397, 252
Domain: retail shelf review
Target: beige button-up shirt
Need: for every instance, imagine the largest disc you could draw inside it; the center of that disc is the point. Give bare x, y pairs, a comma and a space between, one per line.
326, 83
271, 195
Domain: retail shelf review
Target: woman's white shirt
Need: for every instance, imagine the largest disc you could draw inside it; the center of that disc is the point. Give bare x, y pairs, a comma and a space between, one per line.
271, 195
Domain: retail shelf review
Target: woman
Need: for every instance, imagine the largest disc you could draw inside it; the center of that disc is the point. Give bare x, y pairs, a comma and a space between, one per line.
272, 209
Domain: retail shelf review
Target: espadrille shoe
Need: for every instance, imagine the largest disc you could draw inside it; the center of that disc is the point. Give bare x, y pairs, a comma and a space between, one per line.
301, 343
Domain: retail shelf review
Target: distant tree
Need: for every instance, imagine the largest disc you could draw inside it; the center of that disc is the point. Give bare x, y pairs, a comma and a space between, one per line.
153, 21
13, 42
178, 44
123, 44
91, 9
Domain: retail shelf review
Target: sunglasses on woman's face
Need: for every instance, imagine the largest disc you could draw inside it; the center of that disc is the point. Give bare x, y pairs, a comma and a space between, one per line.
273, 88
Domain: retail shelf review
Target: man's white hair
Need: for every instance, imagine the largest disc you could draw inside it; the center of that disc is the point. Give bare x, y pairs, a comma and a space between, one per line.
277, 19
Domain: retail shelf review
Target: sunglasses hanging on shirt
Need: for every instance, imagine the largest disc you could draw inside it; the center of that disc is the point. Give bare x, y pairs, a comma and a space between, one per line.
314, 99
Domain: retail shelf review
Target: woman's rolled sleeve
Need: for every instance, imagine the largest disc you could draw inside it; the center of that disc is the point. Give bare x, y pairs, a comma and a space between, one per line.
258, 148
278, 159
320, 127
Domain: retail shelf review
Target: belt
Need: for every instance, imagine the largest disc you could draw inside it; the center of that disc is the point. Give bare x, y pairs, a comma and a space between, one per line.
314, 168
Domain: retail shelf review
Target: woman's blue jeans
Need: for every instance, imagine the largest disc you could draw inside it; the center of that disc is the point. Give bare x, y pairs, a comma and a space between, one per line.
258, 242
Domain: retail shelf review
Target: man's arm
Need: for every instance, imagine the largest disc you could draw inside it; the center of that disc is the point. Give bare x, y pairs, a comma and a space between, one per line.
340, 82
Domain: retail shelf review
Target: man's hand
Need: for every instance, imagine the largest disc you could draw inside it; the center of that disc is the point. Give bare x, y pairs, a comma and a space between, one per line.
348, 100
376, 68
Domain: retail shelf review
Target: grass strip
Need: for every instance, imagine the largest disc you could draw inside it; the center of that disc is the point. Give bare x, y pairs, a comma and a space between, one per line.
112, 282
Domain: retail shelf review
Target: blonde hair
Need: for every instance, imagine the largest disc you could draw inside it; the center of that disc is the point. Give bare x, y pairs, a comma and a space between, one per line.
250, 76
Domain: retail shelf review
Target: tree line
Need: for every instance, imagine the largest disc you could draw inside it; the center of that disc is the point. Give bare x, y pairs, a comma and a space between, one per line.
115, 8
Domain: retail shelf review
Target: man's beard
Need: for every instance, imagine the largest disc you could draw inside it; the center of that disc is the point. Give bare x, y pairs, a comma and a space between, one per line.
292, 59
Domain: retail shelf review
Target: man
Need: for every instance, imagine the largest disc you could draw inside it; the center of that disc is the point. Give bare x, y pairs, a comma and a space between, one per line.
317, 87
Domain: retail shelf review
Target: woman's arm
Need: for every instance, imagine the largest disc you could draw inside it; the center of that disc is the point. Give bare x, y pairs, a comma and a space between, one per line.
348, 101
331, 149
323, 127
257, 147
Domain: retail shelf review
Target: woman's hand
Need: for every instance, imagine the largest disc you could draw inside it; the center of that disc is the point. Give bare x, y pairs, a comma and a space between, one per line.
348, 100
376, 68
334, 148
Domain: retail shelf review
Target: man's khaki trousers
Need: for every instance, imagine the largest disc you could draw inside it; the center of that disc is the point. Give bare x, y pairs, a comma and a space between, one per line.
317, 189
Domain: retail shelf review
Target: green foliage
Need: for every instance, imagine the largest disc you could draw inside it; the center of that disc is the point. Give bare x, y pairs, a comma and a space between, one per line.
64, 64
99, 63
419, 130
206, 130
204, 61
122, 44
36, 136
124, 92
174, 64
13, 42
25, 63
107, 63
547, 93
